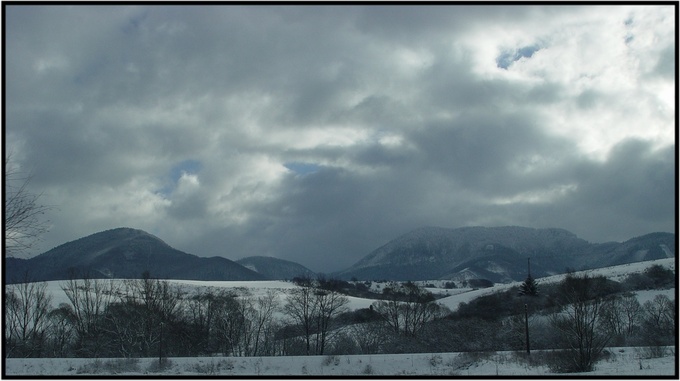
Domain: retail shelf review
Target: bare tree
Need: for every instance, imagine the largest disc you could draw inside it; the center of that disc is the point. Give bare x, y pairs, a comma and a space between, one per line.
26, 312
407, 308
230, 325
578, 322
61, 334
156, 304
659, 320
24, 223
370, 336
313, 309
301, 307
89, 299
259, 321
620, 316
330, 304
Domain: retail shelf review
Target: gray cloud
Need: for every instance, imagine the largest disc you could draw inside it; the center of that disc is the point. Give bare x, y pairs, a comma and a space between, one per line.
190, 122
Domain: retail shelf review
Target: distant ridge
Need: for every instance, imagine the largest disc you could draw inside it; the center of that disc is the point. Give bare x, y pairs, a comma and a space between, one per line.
275, 268
123, 253
499, 254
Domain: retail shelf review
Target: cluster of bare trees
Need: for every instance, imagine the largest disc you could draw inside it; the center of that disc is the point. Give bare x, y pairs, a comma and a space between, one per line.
311, 310
586, 321
136, 318
27, 315
407, 308
151, 317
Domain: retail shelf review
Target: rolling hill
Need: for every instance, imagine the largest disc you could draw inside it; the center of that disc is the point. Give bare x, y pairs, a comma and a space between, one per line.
275, 268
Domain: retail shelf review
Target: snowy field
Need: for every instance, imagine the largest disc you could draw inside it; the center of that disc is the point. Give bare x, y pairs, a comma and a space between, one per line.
459, 295
616, 273
623, 362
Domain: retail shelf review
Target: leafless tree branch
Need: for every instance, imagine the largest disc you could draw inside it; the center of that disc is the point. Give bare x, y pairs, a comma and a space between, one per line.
24, 221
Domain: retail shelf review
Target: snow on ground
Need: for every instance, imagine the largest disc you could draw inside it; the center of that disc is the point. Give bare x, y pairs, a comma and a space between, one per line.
616, 273
457, 295
623, 361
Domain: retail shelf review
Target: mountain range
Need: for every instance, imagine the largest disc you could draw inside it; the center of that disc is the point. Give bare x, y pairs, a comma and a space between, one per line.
498, 254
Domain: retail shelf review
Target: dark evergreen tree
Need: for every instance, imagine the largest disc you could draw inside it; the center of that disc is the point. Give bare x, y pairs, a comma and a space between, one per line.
529, 287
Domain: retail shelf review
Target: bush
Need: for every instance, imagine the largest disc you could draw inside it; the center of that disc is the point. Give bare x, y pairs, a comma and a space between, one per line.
661, 277
480, 283
331, 359
212, 367
654, 277
565, 361
650, 352
117, 366
160, 366
435, 360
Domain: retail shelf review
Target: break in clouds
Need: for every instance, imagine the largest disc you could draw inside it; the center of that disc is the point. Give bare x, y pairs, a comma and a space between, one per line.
318, 133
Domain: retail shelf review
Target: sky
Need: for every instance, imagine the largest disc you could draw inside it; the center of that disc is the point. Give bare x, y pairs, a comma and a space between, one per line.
317, 134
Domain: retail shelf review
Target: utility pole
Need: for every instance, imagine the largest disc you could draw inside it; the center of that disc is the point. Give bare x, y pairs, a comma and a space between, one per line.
160, 349
526, 327
526, 311
529, 265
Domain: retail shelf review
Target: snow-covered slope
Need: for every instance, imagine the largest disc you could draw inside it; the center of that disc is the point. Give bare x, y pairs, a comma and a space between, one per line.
258, 288
616, 273
499, 254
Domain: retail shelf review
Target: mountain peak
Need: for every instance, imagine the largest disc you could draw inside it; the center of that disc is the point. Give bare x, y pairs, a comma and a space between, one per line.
127, 253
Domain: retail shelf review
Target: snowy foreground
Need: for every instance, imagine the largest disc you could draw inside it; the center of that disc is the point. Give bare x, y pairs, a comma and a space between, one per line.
622, 362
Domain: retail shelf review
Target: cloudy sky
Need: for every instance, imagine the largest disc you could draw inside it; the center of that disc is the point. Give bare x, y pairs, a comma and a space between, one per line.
318, 133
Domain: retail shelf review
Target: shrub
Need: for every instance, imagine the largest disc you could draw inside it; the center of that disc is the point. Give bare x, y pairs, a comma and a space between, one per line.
160, 366
116, 366
212, 367
435, 360
661, 277
480, 283
331, 359
650, 352
566, 361
94, 367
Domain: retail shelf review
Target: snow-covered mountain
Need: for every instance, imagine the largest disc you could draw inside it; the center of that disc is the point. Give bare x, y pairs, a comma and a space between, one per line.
499, 254
275, 268
123, 253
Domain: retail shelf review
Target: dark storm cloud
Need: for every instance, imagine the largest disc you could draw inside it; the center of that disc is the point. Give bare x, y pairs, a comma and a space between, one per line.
318, 133
486, 153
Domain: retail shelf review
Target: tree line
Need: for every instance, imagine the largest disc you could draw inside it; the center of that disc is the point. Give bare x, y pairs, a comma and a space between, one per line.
151, 317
